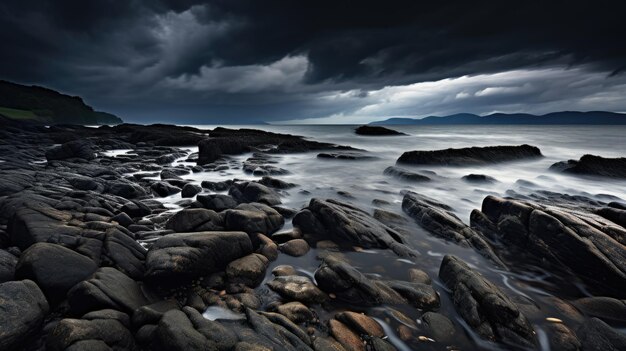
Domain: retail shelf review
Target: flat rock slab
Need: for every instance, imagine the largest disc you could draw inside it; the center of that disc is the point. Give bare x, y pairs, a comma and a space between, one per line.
470, 156
594, 166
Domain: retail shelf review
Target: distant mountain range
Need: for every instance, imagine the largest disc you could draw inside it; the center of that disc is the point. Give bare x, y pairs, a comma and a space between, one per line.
41, 105
565, 117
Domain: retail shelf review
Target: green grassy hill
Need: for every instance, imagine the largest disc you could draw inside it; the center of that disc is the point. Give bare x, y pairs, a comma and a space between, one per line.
45, 106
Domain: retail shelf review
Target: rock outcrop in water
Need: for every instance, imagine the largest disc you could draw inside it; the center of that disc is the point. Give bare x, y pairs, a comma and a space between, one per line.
592, 165
376, 130
470, 156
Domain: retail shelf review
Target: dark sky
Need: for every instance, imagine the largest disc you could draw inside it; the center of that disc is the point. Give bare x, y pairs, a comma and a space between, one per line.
318, 61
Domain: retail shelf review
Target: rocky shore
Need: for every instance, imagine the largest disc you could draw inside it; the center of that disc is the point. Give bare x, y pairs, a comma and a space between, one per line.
91, 258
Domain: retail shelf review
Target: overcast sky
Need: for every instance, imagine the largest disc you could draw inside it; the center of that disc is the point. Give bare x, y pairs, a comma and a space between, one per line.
234, 61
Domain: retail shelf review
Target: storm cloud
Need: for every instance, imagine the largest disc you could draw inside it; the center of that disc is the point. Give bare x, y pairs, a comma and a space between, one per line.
317, 61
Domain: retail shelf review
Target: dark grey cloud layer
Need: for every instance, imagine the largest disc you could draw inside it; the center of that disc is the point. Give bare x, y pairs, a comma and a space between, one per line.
245, 60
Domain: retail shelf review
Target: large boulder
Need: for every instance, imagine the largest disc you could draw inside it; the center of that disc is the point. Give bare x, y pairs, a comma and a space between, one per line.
7, 266
195, 220
54, 268
253, 218
595, 335
22, 312
72, 149
254, 192
189, 255
579, 242
343, 222
249, 270
594, 166
404, 174
294, 287
438, 219
470, 156
95, 334
484, 307
107, 288
217, 202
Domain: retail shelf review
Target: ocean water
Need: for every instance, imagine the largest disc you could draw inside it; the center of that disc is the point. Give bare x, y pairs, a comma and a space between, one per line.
364, 181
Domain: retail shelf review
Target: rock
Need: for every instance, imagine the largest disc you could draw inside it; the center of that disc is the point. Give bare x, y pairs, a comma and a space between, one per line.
595, 335
404, 174
376, 130
562, 338
615, 215
188, 255
152, 314
97, 334
338, 221
346, 155
283, 321
297, 288
23, 310
350, 285
188, 330
267, 247
7, 266
485, 308
346, 337
72, 149
378, 344
263, 333
217, 202
275, 183
136, 209
54, 268
190, 190
576, 241
195, 220
125, 189
249, 270
253, 218
478, 178
327, 344
439, 220
361, 323
594, 166
108, 288
164, 189
254, 192
470, 156
439, 327
605, 308
419, 276
121, 317
283, 270
285, 236
122, 219
217, 186
420, 295
296, 312
295, 247
173, 173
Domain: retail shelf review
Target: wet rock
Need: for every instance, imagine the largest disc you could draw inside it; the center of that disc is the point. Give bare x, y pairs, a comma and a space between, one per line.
72, 149
404, 174
338, 221
485, 308
350, 285
439, 327
605, 308
195, 220
346, 337
276, 183
190, 190
283, 270
285, 322
562, 338
253, 218
188, 330
295, 247
262, 165
136, 209
187, 255
164, 189
7, 266
123, 219
346, 155
419, 276
327, 344
217, 186
376, 130
285, 236
217, 202
478, 178
470, 156
125, 189
151, 314
439, 220
378, 344
574, 240
96, 334
361, 323
296, 312
108, 288
615, 215
22, 313
594, 166
297, 288
54, 268
254, 192
249, 270
262, 332
420, 295
595, 335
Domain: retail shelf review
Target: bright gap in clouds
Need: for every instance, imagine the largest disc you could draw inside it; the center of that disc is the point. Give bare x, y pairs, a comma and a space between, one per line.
536, 91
